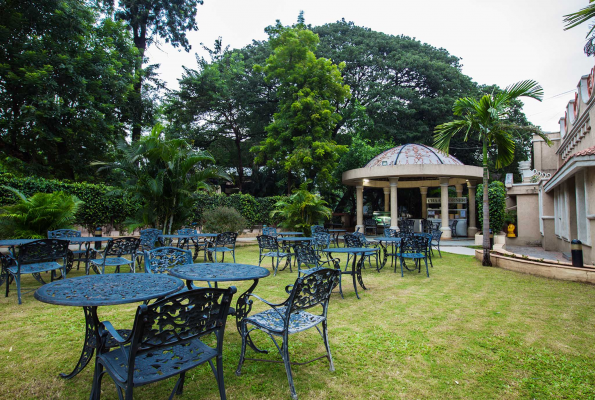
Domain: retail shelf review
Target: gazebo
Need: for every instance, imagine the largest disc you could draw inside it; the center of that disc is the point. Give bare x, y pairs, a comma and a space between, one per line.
418, 166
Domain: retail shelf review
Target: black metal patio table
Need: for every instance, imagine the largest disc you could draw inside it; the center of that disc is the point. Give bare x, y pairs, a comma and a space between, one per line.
92, 291
394, 243
356, 266
12, 243
197, 236
283, 234
225, 272
335, 235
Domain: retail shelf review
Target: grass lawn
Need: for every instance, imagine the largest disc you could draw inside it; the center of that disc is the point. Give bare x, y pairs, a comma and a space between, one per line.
466, 332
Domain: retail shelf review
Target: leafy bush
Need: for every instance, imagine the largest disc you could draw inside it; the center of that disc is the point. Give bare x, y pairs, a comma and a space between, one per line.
224, 219
497, 201
32, 218
99, 207
256, 210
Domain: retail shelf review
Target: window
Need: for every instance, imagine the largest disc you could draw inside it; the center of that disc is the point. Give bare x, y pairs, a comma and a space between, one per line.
561, 226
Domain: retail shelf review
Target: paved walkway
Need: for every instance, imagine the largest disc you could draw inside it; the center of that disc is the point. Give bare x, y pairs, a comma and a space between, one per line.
537, 252
466, 251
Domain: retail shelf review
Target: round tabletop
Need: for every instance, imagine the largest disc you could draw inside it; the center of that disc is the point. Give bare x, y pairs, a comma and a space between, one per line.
107, 289
351, 250
85, 239
207, 235
15, 242
291, 233
219, 272
337, 230
387, 239
296, 239
174, 236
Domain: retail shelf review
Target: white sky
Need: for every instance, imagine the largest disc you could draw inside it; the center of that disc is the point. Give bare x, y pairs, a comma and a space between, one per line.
500, 42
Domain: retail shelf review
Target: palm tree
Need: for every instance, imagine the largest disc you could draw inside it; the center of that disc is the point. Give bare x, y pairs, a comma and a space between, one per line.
580, 17
488, 118
163, 176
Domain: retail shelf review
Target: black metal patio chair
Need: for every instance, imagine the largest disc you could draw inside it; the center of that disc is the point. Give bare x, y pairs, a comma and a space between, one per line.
293, 316
166, 341
322, 240
148, 239
413, 248
37, 257
318, 228
224, 242
453, 228
268, 246
308, 257
80, 254
390, 232
435, 243
195, 241
370, 224
360, 241
114, 253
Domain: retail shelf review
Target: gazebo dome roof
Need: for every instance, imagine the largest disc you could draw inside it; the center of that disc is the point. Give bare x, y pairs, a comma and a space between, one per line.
409, 154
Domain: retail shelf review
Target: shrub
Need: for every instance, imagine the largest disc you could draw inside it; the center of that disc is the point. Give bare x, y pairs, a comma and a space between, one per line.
99, 207
302, 210
224, 219
497, 201
256, 210
33, 217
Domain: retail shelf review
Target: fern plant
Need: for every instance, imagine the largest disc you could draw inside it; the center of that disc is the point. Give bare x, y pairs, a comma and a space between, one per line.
33, 217
301, 210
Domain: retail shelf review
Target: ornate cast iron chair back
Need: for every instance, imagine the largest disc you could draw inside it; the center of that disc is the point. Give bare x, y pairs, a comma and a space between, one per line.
269, 231
414, 244
42, 251
322, 240
311, 290
306, 255
435, 242
122, 246
162, 259
226, 239
318, 228
148, 237
453, 227
352, 240
165, 341
267, 243
187, 231
390, 232
63, 233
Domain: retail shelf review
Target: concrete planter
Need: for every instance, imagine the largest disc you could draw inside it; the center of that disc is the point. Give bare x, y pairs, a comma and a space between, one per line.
499, 238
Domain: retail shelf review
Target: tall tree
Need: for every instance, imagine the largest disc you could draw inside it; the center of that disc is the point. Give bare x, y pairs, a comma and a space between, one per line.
487, 120
400, 88
580, 17
224, 105
65, 79
299, 139
149, 20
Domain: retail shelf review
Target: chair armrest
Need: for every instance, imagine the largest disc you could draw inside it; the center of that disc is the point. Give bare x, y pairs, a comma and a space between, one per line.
336, 262
267, 302
106, 327
288, 288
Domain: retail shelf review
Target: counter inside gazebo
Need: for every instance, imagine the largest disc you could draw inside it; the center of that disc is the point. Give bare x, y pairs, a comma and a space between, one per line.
416, 166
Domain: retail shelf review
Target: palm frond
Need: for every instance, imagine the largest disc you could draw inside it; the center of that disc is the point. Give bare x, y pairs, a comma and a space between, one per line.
581, 16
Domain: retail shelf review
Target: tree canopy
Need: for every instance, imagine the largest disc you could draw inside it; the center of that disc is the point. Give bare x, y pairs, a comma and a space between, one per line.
299, 139
65, 79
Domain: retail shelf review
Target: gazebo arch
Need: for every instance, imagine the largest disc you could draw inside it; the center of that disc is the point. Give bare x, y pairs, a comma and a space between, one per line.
415, 166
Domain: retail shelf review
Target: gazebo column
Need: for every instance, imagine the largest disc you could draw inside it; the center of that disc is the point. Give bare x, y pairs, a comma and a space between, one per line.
359, 195
386, 199
424, 204
394, 209
472, 229
445, 228
459, 189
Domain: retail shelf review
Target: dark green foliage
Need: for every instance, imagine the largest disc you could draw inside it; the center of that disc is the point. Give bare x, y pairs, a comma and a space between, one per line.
32, 217
256, 210
98, 208
223, 219
497, 199
301, 210
65, 78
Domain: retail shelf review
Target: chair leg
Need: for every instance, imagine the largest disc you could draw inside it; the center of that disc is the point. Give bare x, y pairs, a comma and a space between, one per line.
96, 386
18, 281
285, 355
180, 388
327, 345
243, 350
401, 262
220, 382
427, 270
128, 393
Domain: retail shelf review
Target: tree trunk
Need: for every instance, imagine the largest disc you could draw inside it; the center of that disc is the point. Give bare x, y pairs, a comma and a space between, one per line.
140, 42
240, 168
486, 209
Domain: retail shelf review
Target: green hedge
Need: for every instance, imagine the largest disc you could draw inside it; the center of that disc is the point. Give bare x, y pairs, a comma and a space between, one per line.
99, 208
256, 210
497, 201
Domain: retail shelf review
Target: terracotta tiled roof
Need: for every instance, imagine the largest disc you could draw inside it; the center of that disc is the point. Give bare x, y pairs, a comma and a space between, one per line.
587, 152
